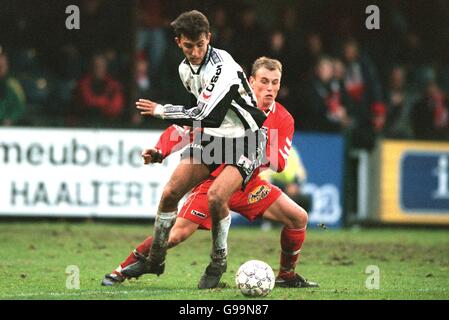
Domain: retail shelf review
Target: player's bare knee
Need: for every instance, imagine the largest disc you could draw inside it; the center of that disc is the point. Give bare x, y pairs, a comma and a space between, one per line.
302, 218
298, 220
170, 198
173, 242
215, 199
174, 239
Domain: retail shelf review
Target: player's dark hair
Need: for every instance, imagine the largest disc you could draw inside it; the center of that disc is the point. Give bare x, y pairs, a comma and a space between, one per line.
191, 24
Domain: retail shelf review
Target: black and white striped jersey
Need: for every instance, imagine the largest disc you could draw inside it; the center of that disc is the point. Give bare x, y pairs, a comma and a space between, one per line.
224, 103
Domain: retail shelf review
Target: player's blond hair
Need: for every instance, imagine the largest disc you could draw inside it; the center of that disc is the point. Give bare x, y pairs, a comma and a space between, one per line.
268, 63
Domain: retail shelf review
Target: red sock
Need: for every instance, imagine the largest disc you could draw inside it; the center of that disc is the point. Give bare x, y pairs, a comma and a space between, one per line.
143, 248
291, 243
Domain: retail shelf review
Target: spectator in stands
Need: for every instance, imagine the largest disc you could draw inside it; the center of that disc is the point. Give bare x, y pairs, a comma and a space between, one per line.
313, 50
276, 46
144, 88
249, 40
339, 70
322, 104
430, 114
414, 52
143, 82
222, 32
340, 95
151, 34
100, 27
277, 49
12, 97
399, 101
98, 96
364, 88
288, 23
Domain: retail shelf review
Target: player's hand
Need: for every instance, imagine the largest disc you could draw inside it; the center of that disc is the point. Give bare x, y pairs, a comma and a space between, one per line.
151, 156
147, 107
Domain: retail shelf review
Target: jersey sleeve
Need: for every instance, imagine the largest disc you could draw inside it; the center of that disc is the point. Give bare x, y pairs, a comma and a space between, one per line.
173, 139
213, 102
280, 144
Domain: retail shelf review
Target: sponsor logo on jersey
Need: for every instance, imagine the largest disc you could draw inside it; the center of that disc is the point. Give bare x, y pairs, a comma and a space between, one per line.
199, 214
258, 194
213, 81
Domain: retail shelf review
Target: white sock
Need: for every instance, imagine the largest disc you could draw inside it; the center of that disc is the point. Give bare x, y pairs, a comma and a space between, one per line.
162, 226
220, 238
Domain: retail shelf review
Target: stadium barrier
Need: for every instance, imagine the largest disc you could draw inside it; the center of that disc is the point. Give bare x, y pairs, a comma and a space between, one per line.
79, 173
323, 156
99, 174
413, 182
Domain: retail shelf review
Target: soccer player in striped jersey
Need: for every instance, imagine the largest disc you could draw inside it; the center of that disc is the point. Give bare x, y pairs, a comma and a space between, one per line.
224, 108
259, 199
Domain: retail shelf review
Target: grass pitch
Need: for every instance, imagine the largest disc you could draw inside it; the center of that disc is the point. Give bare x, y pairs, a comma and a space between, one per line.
34, 256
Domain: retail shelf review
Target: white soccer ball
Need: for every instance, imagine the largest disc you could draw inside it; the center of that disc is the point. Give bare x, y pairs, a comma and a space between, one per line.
255, 278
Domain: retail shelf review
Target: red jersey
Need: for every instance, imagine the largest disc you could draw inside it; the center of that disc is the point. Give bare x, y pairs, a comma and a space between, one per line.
281, 127
174, 138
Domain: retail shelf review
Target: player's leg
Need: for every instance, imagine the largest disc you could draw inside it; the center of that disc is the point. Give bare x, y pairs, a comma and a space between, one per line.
181, 231
135, 265
219, 194
186, 175
134, 259
294, 218
246, 155
287, 212
193, 214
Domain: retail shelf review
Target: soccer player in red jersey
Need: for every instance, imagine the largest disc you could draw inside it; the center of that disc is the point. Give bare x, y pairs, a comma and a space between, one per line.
258, 199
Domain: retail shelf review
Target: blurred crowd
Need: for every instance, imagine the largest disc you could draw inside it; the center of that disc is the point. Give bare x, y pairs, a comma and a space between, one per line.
338, 76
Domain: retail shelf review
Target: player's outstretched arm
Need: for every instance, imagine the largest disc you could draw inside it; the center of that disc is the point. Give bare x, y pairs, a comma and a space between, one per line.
171, 140
211, 106
148, 108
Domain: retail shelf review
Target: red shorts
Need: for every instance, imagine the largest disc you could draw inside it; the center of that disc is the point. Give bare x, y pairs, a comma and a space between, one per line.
258, 196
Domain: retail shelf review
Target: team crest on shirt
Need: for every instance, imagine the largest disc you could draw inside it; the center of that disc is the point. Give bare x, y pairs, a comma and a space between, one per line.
258, 194
199, 214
